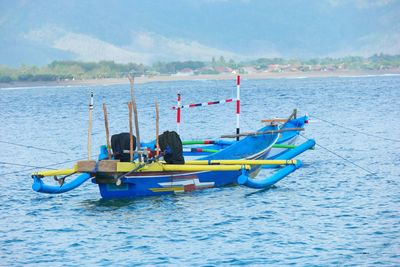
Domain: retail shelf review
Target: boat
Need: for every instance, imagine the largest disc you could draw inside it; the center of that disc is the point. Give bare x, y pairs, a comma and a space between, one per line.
215, 163
238, 163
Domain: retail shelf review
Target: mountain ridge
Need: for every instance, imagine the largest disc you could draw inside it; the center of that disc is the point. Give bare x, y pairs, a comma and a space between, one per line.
38, 32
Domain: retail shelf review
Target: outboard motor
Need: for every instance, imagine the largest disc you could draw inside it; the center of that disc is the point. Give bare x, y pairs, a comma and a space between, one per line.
171, 147
120, 144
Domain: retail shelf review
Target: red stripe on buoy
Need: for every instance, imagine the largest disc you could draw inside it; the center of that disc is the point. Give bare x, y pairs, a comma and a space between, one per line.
238, 80
238, 107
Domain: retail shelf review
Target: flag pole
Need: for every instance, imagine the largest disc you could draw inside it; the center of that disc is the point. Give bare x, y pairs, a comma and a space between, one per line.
238, 107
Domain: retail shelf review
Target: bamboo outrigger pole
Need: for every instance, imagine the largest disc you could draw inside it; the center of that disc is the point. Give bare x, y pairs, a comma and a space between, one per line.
131, 80
130, 131
90, 124
107, 132
261, 133
157, 122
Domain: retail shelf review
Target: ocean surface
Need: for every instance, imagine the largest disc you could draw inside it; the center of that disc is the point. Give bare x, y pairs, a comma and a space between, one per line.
341, 209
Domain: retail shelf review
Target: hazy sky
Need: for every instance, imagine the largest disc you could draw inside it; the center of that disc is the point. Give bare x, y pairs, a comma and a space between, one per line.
40, 31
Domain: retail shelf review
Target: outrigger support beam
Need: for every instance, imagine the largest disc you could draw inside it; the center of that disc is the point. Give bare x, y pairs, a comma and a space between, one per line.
269, 181
280, 174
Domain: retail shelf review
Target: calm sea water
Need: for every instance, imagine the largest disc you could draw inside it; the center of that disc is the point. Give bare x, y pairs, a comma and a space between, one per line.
329, 213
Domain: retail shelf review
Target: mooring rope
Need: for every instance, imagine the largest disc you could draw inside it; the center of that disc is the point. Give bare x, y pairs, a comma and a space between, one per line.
33, 147
37, 167
22, 165
339, 156
356, 131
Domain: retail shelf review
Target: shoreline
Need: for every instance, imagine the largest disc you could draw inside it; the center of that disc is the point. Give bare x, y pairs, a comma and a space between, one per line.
224, 76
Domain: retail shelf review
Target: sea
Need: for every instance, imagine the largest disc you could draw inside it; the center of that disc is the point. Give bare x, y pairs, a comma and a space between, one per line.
342, 208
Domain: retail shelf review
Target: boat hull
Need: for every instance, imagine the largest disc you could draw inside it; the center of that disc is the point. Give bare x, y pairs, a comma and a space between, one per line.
163, 183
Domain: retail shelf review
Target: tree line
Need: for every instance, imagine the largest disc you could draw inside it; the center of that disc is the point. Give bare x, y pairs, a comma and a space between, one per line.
77, 70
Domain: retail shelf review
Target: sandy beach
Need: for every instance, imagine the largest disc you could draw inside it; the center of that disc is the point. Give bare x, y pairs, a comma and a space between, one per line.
225, 76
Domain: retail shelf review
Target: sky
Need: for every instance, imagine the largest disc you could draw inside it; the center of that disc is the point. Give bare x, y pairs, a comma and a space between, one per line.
41, 31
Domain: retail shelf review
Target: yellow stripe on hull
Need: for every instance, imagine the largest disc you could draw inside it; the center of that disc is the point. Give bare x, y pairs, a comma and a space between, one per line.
168, 189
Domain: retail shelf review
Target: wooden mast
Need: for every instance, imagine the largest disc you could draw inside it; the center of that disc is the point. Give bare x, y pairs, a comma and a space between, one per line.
107, 132
131, 80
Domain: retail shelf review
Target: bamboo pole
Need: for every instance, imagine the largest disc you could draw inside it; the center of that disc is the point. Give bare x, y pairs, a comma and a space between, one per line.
130, 131
90, 125
157, 131
132, 81
159, 167
261, 133
241, 162
107, 132
275, 120
294, 115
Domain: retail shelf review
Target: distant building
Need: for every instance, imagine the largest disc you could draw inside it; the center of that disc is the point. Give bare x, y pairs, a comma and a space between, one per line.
274, 68
222, 69
248, 70
185, 72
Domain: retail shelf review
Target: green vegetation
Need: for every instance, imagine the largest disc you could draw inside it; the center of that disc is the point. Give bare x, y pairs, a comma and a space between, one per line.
76, 70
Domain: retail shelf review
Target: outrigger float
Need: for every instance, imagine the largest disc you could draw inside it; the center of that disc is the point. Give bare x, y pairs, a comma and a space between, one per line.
214, 163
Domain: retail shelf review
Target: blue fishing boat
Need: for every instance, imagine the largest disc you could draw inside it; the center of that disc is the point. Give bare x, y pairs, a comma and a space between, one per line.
159, 167
238, 163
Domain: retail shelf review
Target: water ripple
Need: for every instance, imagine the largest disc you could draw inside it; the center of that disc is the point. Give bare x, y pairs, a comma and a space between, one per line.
328, 213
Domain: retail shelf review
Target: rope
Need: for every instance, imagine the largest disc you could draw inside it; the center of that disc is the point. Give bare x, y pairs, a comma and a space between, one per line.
22, 165
37, 167
339, 156
356, 131
34, 147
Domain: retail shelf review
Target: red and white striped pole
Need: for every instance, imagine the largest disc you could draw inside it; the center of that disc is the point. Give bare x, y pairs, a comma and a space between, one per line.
238, 107
178, 114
